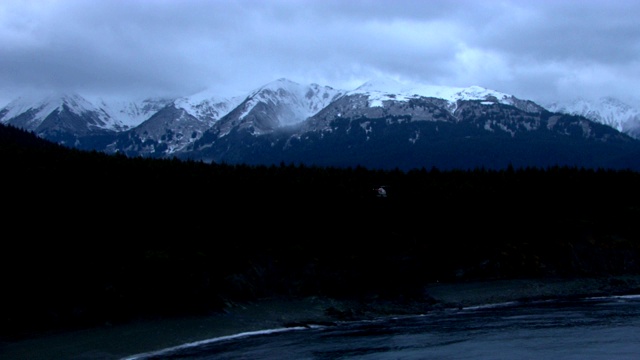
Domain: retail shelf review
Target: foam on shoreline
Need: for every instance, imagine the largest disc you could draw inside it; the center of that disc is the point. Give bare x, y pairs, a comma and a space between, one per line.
210, 341
146, 339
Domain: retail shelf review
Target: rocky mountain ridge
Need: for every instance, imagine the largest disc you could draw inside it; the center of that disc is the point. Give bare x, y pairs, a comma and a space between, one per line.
417, 125
606, 110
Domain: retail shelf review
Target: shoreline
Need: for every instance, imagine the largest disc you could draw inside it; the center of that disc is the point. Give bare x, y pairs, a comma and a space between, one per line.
142, 337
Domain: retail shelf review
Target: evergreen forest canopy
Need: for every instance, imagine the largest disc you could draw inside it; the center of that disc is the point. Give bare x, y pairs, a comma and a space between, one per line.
91, 238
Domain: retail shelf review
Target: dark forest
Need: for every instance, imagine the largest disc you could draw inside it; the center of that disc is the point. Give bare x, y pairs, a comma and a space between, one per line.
90, 238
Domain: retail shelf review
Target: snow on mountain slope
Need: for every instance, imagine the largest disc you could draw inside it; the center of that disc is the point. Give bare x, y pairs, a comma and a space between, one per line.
384, 89
41, 106
606, 110
284, 102
207, 106
303, 101
127, 114
277, 104
31, 110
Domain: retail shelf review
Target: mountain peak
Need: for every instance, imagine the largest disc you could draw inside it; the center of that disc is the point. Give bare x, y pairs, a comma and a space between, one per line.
606, 110
282, 83
382, 89
279, 103
46, 103
383, 84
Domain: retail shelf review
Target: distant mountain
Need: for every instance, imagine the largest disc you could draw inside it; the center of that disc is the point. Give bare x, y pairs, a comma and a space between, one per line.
380, 124
278, 104
131, 113
173, 127
606, 110
208, 107
73, 120
380, 90
385, 124
122, 124
60, 118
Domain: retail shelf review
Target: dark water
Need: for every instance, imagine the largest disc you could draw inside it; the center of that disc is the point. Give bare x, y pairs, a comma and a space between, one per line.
596, 328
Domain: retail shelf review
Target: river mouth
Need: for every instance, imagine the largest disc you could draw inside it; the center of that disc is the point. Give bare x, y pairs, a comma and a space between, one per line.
121, 341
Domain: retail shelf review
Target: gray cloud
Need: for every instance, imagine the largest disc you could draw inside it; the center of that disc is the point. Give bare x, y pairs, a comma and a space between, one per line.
539, 50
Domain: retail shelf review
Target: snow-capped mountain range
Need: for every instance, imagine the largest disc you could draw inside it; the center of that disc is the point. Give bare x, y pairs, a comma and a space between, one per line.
606, 110
380, 90
299, 102
304, 102
278, 104
126, 115
274, 119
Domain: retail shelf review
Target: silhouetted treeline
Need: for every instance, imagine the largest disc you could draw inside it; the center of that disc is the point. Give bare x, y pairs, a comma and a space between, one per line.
90, 238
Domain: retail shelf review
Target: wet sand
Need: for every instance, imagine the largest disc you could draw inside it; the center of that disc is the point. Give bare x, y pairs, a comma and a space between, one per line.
119, 341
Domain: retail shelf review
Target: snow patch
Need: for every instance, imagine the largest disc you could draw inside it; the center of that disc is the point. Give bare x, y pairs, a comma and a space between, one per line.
385, 89
606, 110
302, 101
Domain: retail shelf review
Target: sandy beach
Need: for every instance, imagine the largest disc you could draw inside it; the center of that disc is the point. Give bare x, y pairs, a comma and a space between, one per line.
120, 341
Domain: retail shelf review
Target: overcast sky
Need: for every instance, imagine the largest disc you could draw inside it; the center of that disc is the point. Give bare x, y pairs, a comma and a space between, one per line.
534, 49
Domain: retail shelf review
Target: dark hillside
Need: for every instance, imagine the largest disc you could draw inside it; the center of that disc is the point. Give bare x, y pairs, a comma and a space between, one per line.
91, 238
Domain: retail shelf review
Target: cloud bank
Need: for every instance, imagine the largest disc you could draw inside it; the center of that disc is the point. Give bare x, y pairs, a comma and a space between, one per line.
541, 50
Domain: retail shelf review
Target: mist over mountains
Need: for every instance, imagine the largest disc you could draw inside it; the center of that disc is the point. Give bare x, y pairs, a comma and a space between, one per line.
381, 124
